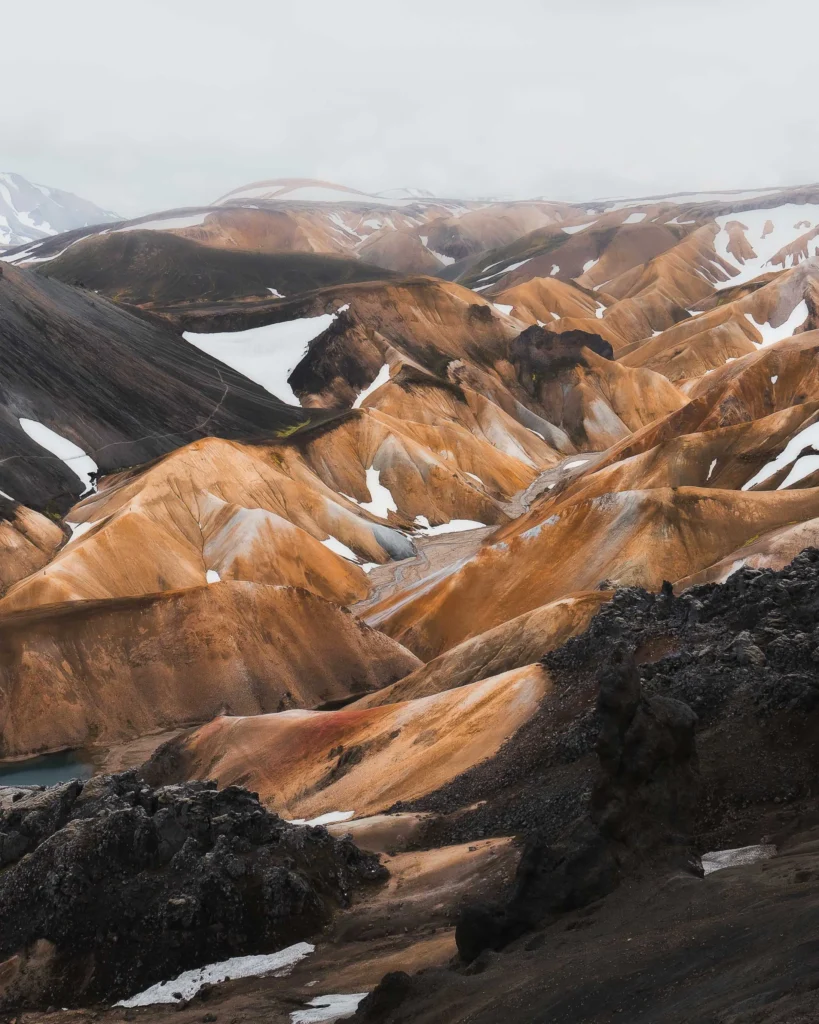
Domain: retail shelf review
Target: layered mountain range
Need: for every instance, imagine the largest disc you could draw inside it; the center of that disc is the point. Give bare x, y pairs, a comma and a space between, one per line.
346, 499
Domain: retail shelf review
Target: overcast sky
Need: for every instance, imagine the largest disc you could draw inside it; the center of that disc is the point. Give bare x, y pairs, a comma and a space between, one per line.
153, 104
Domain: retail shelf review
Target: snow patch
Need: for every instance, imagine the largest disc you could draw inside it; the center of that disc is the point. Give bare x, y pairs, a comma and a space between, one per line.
212, 576
381, 377
66, 451
589, 264
555, 270
328, 1008
167, 224
802, 466
717, 860
506, 310
267, 355
574, 228
766, 246
328, 818
381, 500
276, 293
446, 260
453, 526
77, 530
634, 218
711, 469
770, 335
340, 549
188, 984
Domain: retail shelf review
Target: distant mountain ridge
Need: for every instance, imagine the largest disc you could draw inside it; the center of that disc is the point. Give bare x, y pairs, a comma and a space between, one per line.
29, 212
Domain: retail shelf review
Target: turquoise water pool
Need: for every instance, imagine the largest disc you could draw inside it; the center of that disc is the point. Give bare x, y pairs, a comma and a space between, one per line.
47, 770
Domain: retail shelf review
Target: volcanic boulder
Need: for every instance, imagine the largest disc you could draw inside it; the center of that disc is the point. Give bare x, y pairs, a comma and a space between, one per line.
113, 886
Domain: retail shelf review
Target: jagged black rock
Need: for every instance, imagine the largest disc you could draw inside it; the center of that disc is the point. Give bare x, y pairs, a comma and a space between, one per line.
114, 885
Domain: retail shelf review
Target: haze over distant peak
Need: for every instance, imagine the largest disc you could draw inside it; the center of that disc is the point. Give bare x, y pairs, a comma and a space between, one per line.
29, 212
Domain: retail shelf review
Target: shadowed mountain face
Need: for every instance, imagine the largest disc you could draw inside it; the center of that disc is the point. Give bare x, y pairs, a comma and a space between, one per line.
157, 268
395, 510
122, 388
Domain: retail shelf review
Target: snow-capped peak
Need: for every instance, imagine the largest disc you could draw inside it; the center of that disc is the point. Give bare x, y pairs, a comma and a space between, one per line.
29, 212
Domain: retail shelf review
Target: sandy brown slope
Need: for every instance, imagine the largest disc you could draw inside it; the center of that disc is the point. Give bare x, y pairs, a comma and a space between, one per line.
299, 513
629, 538
304, 764
520, 641
27, 542
106, 671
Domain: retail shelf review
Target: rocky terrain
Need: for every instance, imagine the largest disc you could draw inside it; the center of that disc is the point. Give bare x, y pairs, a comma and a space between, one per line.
483, 533
136, 883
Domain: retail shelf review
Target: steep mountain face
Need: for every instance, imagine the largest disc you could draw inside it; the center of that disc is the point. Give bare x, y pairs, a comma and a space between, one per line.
29, 212
389, 507
120, 389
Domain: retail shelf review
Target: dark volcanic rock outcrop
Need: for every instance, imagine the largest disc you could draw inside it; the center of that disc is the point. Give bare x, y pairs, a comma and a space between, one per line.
744, 655
110, 887
540, 352
639, 817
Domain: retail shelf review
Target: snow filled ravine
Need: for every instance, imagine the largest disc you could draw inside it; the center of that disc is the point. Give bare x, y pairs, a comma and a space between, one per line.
267, 355
66, 451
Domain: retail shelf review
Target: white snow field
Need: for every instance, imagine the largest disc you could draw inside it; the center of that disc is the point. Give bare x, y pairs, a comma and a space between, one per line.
381, 500
784, 220
268, 354
802, 467
381, 377
66, 451
720, 859
325, 1009
186, 985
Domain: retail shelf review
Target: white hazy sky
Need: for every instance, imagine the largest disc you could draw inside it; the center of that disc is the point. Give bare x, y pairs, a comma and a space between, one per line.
158, 103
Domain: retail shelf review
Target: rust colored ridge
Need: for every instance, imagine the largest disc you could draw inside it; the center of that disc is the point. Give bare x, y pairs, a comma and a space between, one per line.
308, 763
430, 468
110, 671
724, 457
432, 404
773, 550
731, 329
657, 295
737, 392
547, 299
629, 538
27, 541
629, 246
298, 513
489, 228
592, 326
520, 641
695, 346
401, 251
427, 322
604, 249
241, 512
